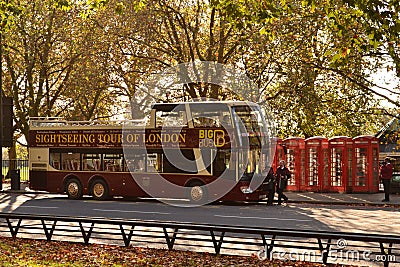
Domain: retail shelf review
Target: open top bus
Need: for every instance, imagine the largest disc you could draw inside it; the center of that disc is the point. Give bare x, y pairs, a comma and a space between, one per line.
227, 139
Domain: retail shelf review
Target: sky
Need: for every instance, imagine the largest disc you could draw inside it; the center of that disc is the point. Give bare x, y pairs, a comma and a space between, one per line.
386, 78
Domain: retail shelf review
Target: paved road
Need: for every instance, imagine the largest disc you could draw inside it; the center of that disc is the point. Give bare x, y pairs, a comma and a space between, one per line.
344, 218
295, 216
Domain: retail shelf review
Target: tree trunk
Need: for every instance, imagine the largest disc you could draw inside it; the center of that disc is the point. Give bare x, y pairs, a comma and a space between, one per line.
12, 157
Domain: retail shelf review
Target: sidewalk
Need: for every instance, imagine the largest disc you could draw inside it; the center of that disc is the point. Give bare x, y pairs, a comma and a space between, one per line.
342, 199
23, 188
294, 197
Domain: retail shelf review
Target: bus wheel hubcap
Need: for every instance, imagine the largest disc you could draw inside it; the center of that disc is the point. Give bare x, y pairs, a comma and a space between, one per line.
73, 189
98, 190
196, 193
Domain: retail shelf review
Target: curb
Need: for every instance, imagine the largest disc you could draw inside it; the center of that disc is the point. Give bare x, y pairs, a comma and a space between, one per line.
317, 202
313, 202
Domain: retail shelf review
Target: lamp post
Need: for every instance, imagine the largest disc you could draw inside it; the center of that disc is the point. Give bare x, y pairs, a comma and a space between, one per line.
1, 111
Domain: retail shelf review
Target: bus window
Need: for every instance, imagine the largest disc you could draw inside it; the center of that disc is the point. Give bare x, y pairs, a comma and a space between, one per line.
210, 115
174, 118
212, 119
135, 161
203, 121
250, 124
251, 118
221, 162
70, 161
263, 163
113, 162
252, 166
249, 163
55, 159
154, 162
91, 162
136, 165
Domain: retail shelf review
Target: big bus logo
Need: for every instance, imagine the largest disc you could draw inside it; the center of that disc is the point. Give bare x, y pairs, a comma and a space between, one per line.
210, 138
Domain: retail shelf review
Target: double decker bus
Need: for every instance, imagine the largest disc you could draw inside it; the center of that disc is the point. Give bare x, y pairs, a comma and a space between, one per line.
210, 150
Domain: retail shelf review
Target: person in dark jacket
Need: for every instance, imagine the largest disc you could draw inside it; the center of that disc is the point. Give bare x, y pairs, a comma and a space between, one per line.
386, 172
270, 181
282, 177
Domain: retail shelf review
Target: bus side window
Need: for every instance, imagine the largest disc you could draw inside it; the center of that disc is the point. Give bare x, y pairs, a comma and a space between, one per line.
97, 164
55, 160
174, 118
154, 162
139, 165
91, 162
220, 163
71, 161
135, 163
112, 162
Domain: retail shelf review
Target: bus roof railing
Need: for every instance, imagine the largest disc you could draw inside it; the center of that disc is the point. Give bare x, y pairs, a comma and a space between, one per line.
61, 122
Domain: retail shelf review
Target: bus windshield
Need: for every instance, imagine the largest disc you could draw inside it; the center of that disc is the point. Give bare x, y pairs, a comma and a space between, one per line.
250, 124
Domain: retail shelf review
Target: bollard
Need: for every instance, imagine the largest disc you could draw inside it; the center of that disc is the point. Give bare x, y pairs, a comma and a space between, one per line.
15, 180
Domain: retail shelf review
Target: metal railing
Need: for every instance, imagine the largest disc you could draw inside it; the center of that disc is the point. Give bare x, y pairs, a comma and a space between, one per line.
40, 122
264, 242
21, 165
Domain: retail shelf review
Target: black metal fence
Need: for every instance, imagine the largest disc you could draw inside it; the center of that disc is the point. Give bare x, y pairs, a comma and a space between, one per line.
266, 243
20, 165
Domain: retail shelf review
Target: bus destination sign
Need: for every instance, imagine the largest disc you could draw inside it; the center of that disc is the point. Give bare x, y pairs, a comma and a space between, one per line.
152, 138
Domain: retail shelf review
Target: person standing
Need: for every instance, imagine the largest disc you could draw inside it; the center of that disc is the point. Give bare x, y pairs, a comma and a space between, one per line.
386, 172
282, 177
270, 182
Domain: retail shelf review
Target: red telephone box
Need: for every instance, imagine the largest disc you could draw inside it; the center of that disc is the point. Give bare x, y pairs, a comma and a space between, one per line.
316, 164
340, 164
279, 152
295, 156
366, 164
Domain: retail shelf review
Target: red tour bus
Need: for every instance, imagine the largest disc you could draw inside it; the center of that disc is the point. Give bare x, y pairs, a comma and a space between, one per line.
225, 139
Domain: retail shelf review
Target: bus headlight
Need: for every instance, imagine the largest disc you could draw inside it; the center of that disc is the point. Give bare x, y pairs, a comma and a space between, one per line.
246, 190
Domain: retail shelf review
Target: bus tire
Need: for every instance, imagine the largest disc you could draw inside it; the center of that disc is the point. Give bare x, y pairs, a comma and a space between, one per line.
73, 188
99, 190
197, 192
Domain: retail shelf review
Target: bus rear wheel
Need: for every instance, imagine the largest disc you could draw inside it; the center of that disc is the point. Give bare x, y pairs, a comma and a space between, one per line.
197, 192
99, 190
74, 189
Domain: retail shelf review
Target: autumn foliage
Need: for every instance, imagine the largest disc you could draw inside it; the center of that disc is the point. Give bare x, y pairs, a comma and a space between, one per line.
29, 252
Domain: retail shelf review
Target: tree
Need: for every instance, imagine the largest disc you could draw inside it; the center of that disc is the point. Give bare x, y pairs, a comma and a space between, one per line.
36, 68
166, 33
292, 66
49, 55
370, 28
311, 63
316, 75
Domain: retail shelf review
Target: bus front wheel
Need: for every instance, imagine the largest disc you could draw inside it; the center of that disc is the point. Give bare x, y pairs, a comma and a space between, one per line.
99, 190
74, 189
